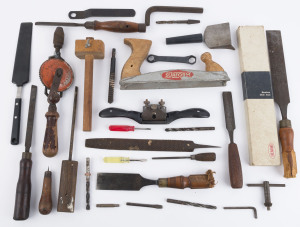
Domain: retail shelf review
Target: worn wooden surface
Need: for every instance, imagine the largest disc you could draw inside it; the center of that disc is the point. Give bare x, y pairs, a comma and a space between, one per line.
210, 65
50, 145
140, 49
235, 167
45, 204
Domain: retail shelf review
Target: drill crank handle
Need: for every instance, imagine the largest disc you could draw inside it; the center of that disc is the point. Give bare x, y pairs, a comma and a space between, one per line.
115, 26
192, 181
116, 112
23, 191
286, 135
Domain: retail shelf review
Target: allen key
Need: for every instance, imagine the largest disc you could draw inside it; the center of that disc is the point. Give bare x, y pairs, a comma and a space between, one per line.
243, 208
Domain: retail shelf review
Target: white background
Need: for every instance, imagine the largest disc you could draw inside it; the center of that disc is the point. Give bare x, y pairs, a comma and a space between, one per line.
282, 15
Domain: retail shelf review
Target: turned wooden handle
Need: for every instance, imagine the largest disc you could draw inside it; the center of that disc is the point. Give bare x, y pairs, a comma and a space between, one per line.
235, 167
50, 146
193, 181
288, 154
45, 205
116, 26
88, 93
140, 49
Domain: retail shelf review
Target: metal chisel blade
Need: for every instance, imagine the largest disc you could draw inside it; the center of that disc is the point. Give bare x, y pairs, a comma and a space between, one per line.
30, 120
122, 181
22, 60
144, 144
278, 71
228, 109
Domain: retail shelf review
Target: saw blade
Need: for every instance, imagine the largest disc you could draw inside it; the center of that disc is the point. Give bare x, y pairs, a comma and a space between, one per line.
278, 71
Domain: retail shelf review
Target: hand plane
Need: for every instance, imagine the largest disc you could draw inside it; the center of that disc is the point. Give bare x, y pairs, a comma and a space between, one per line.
154, 114
133, 79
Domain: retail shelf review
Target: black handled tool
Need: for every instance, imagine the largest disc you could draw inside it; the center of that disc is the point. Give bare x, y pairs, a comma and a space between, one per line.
205, 157
144, 145
68, 175
23, 192
21, 75
235, 167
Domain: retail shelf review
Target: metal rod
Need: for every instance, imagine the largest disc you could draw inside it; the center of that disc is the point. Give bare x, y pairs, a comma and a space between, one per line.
88, 176
189, 129
107, 205
242, 208
73, 123
180, 202
156, 206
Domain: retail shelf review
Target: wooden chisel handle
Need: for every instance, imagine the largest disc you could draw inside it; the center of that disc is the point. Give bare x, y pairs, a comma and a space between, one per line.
45, 205
50, 145
115, 26
192, 181
23, 192
286, 135
235, 167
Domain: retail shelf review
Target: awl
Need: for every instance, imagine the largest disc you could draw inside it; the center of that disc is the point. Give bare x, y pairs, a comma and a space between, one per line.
21, 75
282, 98
134, 182
144, 145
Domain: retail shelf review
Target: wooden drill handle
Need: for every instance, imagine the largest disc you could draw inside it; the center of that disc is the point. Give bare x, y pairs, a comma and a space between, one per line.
45, 205
288, 154
193, 181
23, 192
235, 167
140, 49
88, 93
50, 145
116, 26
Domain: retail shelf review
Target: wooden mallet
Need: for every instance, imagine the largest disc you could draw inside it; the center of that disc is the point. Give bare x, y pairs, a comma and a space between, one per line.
89, 50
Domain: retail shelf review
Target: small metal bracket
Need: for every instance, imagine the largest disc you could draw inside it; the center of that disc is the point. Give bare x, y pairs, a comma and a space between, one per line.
156, 112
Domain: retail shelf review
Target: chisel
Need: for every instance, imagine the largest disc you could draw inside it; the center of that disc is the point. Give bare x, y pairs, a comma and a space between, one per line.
111, 26
235, 167
68, 176
134, 182
23, 192
21, 75
144, 145
208, 157
282, 98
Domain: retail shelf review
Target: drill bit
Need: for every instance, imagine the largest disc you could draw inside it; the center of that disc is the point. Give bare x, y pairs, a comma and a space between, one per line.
191, 204
179, 22
189, 129
112, 76
88, 176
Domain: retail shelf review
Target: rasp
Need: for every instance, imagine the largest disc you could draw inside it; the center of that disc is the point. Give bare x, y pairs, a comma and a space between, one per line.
144, 144
235, 167
134, 182
23, 191
282, 98
21, 75
112, 76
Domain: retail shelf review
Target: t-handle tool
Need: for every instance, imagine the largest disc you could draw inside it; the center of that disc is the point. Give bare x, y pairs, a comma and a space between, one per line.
21, 75
266, 185
68, 176
23, 192
235, 167
88, 49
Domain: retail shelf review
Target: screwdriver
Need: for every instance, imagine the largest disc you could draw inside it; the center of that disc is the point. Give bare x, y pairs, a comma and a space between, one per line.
23, 191
207, 157
121, 160
125, 128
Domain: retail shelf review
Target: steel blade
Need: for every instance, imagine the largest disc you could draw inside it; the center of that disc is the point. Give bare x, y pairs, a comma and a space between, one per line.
228, 109
144, 144
278, 71
30, 119
22, 60
122, 181
59, 24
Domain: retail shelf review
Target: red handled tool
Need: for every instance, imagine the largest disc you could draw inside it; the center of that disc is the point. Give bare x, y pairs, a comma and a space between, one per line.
125, 128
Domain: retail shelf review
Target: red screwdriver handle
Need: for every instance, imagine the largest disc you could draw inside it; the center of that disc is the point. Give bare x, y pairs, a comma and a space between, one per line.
121, 128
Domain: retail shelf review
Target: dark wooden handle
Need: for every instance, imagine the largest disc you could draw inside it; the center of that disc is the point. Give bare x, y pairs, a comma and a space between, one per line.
119, 26
288, 153
193, 181
45, 205
15, 133
50, 146
58, 38
235, 167
23, 192
88, 93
